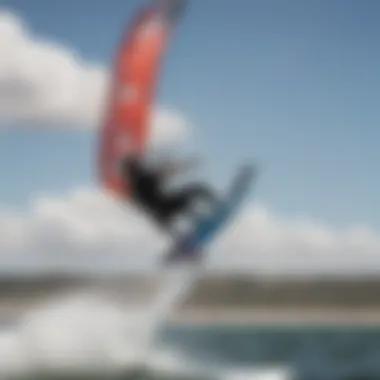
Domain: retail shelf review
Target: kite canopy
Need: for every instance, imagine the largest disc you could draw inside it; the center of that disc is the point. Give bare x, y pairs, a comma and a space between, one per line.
134, 76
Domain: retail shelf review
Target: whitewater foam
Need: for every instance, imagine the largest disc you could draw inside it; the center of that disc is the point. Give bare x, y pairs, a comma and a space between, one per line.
90, 331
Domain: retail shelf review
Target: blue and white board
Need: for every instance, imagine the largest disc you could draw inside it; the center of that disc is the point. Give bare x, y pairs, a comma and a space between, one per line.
189, 247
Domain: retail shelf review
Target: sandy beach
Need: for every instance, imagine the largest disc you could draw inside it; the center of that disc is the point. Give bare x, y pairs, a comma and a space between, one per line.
224, 300
282, 316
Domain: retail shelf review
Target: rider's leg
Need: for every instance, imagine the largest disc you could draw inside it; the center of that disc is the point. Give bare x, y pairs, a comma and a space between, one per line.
183, 201
195, 192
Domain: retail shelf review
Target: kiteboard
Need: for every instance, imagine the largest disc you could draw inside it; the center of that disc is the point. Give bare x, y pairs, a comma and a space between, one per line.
189, 247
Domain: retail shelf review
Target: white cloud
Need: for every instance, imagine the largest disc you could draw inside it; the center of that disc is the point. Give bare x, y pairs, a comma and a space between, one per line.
169, 126
47, 84
85, 223
80, 223
263, 241
43, 81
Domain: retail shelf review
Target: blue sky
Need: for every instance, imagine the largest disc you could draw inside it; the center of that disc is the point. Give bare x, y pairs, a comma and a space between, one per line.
292, 84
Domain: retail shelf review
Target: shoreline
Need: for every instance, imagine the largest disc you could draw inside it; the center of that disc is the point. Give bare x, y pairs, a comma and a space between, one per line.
280, 316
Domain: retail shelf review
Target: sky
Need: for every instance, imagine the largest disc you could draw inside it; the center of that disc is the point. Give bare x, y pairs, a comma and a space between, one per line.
291, 85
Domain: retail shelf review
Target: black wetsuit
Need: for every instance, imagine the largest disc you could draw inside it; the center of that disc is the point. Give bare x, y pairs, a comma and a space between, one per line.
147, 190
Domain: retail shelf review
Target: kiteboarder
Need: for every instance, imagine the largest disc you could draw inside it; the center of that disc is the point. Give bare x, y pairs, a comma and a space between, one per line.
147, 183
125, 132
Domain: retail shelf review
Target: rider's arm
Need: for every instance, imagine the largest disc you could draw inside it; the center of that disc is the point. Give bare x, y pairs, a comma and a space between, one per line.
170, 169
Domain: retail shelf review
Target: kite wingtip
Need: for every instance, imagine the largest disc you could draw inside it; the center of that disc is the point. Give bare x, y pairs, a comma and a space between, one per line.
174, 9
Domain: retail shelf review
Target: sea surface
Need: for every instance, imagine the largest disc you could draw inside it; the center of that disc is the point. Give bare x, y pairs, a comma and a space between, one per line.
247, 352
307, 352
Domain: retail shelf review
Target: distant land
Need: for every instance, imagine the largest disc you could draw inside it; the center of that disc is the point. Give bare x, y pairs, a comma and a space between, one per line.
217, 298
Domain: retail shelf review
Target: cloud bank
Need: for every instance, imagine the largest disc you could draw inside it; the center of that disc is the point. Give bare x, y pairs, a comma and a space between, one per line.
87, 225
47, 84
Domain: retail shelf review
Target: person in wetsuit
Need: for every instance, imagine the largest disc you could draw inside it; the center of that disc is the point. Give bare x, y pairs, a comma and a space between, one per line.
147, 190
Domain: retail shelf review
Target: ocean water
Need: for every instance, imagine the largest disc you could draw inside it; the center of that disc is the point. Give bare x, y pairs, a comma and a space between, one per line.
307, 352
247, 352
94, 336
